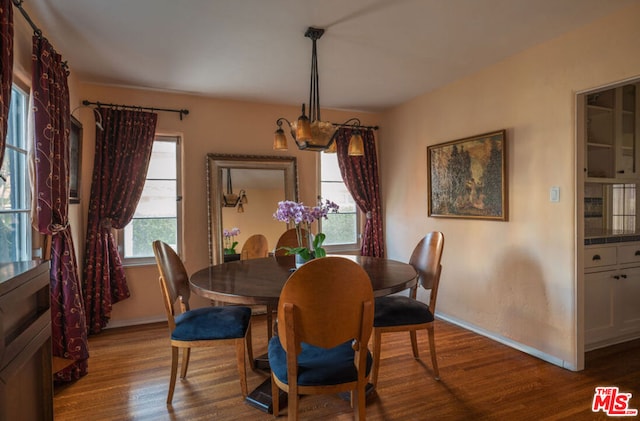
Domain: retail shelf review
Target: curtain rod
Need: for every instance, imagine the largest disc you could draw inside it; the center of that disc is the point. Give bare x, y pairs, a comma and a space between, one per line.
36, 30
356, 126
353, 123
136, 107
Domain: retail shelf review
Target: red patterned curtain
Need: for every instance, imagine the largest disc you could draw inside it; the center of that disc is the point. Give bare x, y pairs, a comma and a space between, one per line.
123, 151
360, 175
51, 192
6, 68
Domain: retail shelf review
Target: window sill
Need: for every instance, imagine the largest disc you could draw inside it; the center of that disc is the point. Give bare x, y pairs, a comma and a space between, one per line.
139, 262
342, 249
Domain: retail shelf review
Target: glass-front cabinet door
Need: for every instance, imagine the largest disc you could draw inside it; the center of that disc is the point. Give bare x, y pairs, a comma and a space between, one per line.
611, 118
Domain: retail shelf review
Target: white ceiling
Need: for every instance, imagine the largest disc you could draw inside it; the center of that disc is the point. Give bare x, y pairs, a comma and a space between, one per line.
375, 54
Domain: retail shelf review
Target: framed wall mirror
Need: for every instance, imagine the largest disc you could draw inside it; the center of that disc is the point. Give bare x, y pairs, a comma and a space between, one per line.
262, 181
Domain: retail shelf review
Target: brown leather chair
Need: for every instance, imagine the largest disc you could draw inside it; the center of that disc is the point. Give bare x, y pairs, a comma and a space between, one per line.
201, 327
255, 247
325, 318
396, 313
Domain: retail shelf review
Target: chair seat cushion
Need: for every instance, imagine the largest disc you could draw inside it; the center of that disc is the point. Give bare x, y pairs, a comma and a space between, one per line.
317, 366
399, 310
223, 322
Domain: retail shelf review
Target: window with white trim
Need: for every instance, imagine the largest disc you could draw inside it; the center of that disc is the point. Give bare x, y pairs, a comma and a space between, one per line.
342, 228
158, 215
15, 190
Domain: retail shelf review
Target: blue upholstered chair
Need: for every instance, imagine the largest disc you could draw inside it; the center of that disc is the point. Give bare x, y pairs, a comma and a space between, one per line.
202, 327
325, 318
397, 313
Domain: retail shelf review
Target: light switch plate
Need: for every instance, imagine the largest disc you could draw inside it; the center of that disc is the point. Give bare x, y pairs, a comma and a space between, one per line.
554, 194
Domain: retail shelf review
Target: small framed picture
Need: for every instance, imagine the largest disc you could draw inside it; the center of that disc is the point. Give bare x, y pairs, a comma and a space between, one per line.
75, 160
467, 178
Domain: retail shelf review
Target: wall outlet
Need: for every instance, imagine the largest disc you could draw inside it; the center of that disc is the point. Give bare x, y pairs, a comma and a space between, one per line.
554, 194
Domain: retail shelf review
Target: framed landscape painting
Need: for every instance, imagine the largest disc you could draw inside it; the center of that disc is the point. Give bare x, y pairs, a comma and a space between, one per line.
467, 178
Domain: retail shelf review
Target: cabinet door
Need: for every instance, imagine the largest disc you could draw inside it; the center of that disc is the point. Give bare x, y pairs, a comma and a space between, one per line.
599, 318
625, 131
612, 133
628, 301
600, 134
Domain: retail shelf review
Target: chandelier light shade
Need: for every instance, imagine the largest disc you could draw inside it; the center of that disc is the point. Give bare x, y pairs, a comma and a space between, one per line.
309, 132
356, 144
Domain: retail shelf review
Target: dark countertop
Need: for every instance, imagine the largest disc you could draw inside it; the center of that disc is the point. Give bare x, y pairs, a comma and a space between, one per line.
610, 236
13, 274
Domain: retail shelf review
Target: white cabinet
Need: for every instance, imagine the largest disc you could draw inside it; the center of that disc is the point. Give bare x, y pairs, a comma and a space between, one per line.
599, 321
612, 133
612, 294
628, 302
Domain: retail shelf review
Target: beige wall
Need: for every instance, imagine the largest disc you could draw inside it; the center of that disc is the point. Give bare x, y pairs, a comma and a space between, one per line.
212, 126
257, 217
514, 280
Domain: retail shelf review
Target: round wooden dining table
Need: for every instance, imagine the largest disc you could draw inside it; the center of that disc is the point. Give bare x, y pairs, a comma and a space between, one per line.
259, 281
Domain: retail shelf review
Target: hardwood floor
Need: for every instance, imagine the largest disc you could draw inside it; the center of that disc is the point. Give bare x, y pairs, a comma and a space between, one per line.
480, 379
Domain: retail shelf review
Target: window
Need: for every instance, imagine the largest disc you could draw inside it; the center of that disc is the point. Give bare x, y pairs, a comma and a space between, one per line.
342, 229
15, 192
158, 215
623, 207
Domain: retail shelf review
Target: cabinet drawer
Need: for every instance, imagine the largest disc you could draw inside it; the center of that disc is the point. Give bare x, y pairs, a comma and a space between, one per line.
599, 256
629, 254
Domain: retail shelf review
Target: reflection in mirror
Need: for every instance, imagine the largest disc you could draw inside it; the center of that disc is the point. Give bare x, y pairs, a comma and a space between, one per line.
265, 180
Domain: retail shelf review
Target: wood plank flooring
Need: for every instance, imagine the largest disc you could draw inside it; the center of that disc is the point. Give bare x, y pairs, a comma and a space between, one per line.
480, 380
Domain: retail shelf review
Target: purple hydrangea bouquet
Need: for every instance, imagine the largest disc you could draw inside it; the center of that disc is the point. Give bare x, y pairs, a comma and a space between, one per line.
302, 217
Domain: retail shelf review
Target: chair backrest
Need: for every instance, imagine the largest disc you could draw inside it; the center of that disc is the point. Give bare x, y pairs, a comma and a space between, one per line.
426, 259
174, 280
255, 247
325, 303
289, 238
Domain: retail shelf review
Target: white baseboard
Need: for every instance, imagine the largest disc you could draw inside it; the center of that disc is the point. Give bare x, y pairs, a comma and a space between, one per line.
256, 310
611, 341
509, 342
134, 322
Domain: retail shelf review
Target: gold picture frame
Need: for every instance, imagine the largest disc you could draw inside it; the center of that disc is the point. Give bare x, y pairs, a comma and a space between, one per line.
467, 178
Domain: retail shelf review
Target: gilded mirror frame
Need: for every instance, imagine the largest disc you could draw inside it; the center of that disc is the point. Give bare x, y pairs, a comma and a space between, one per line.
216, 163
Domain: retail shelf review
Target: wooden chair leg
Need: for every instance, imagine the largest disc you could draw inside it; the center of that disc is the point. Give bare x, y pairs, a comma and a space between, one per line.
292, 402
275, 391
186, 354
249, 345
414, 344
174, 372
377, 338
269, 321
432, 351
242, 365
359, 406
